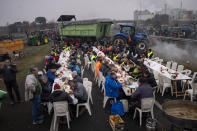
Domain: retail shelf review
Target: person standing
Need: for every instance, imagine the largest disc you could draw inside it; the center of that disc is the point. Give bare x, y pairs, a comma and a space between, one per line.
8, 71
33, 91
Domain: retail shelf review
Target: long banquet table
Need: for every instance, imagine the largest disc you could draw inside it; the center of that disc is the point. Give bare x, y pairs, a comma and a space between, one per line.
168, 73
128, 88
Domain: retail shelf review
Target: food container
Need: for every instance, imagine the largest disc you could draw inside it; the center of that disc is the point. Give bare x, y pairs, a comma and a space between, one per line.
116, 123
125, 105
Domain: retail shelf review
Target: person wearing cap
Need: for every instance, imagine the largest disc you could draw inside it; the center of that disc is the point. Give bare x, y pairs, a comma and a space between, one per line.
60, 95
144, 90
51, 74
76, 77
79, 91
112, 85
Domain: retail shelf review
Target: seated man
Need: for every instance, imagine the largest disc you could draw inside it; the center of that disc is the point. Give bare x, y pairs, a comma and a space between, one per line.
112, 85
76, 77
98, 66
51, 75
79, 91
143, 91
60, 95
149, 77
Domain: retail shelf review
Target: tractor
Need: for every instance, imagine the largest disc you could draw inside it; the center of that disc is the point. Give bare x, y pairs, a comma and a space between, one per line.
126, 32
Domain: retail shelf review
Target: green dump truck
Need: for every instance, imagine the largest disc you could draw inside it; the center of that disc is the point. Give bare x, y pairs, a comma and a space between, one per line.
86, 30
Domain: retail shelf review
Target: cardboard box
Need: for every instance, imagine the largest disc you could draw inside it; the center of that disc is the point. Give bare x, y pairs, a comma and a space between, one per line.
116, 123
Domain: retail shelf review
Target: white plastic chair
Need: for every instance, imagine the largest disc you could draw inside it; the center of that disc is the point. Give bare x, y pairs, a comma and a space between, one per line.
103, 84
86, 104
85, 79
187, 73
82, 71
180, 68
147, 105
192, 92
61, 109
100, 78
88, 84
166, 84
160, 84
174, 66
160, 61
168, 65
106, 98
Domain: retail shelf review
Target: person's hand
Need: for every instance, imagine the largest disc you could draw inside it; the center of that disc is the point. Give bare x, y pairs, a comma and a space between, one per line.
9, 67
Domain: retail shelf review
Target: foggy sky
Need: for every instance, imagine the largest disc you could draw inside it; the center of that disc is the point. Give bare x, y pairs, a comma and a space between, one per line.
20, 10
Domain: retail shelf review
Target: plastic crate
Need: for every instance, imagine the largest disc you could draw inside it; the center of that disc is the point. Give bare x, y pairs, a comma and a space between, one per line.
116, 123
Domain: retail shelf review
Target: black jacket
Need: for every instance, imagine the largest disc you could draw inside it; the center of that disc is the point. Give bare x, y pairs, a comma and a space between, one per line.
9, 74
143, 91
151, 80
60, 95
78, 79
46, 92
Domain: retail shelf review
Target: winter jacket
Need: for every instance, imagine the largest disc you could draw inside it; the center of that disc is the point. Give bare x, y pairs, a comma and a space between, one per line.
60, 95
151, 80
78, 79
51, 77
80, 92
46, 92
32, 87
8, 74
112, 86
143, 91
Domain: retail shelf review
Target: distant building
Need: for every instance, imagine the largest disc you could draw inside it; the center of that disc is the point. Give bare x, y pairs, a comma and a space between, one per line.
143, 15
177, 14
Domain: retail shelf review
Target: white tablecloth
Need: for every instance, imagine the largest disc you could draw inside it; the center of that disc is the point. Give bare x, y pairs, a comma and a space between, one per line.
121, 74
63, 72
166, 72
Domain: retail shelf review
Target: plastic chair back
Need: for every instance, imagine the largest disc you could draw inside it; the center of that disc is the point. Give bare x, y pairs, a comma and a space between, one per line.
180, 68
174, 66
147, 104
89, 91
87, 83
168, 65
60, 108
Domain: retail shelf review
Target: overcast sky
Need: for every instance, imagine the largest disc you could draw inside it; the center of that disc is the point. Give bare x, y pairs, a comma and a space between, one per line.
20, 10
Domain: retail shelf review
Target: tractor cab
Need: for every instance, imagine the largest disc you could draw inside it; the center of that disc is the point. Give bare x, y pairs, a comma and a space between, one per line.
128, 30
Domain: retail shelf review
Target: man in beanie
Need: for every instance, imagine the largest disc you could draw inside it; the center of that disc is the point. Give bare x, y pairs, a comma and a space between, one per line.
143, 91
60, 95
76, 77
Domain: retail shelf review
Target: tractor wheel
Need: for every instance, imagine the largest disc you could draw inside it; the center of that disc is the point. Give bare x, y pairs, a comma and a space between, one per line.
119, 40
141, 45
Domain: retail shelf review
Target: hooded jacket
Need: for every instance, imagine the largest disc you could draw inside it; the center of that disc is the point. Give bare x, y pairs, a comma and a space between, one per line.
112, 87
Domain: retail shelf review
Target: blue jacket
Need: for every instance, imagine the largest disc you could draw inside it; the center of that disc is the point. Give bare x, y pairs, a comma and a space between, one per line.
111, 86
51, 77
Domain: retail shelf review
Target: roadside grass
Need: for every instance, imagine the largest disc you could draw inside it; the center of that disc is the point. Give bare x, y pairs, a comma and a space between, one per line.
34, 55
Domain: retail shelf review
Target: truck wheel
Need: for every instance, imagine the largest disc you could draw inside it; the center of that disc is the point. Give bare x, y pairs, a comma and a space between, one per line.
120, 40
